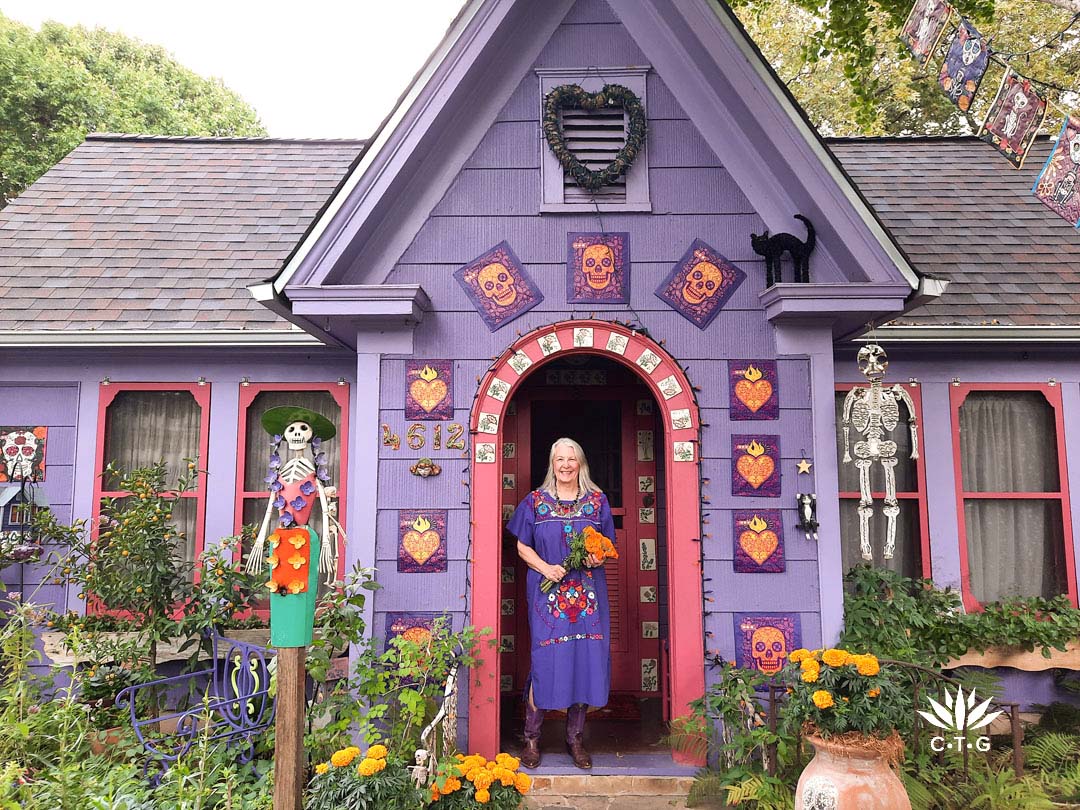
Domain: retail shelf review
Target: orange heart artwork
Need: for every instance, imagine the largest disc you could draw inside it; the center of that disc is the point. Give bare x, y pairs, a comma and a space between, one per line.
753, 394
418, 635
754, 389
756, 471
759, 545
421, 545
422, 548
755, 460
429, 390
759, 541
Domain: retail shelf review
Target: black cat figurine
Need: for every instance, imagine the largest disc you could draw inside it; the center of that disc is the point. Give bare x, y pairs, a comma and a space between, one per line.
773, 247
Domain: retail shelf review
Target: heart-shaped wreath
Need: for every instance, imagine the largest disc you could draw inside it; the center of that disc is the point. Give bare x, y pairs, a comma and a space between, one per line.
612, 96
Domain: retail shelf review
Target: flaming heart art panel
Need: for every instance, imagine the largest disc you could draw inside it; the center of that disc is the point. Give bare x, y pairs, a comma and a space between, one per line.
598, 267
429, 390
755, 393
498, 286
422, 541
758, 537
755, 466
699, 284
415, 627
22, 453
763, 641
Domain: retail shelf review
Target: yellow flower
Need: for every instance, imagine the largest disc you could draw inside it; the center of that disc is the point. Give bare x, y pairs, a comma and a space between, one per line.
322, 768
809, 663
352, 749
342, 758
483, 796
835, 658
297, 560
873, 693
368, 767
522, 781
380, 765
377, 752
298, 541
866, 664
273, 560
296, 587
799, 655
810, 676
822, 699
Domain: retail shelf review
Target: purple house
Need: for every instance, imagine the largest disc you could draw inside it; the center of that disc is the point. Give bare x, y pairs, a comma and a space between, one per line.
452, 295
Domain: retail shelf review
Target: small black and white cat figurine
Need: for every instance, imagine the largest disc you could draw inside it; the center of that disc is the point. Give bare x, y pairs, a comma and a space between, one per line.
773, 247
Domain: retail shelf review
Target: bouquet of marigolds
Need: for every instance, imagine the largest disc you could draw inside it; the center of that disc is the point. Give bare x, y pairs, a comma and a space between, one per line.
374, 781
835, 692
471, 781
585, 543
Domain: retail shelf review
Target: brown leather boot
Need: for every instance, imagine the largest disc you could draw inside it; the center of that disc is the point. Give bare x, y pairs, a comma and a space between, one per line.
530, 754
534, 719
575, 726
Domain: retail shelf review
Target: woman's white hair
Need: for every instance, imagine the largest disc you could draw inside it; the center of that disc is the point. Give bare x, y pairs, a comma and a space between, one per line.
585, 482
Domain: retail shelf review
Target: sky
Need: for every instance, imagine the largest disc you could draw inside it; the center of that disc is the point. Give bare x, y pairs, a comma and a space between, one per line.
314, 69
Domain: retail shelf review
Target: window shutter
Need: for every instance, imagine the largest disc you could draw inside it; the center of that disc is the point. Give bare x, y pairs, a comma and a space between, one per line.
595, 137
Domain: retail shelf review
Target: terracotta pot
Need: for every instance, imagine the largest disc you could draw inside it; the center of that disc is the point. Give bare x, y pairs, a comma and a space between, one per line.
104, 740
845, 777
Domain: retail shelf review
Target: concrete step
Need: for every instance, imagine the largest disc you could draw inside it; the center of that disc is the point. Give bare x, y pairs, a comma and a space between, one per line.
597, 792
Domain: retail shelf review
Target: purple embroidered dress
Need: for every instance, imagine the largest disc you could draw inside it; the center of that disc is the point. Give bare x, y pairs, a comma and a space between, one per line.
569, 625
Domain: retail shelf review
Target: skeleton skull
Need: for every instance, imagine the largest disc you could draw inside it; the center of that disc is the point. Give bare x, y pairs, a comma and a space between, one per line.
597, 265
970, 50
497, 284
1074, 150
298, 435
768, 649
873, 361
1063, 191
702, 282
18, 449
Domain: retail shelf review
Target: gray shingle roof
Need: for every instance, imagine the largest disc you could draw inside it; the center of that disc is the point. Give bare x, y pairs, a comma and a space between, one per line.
150, 233
961, 211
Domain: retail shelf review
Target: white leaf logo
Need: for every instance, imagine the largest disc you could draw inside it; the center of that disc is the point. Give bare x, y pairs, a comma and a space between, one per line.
960, 713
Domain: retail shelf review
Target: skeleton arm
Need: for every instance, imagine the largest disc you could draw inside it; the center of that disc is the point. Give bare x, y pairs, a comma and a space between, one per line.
849, 401
328, 552
902, 393
256, 558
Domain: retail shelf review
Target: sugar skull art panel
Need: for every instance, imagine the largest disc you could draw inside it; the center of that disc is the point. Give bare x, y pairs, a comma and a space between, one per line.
416, 627
758, 537
1014, 118
763, 641
754, 390
422, 541
699, 284
498, 286
1057, 182
22, 450
755, 466
429, 390
924, 26
598, 267
964, 65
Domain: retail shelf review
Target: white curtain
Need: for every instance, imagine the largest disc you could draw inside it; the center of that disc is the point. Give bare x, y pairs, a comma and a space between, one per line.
1015, 547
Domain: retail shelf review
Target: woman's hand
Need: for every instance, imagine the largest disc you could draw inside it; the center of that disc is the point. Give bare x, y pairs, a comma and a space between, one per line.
594, 561
553, 572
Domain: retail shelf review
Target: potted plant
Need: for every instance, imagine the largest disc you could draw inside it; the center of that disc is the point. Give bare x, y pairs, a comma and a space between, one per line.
849, 707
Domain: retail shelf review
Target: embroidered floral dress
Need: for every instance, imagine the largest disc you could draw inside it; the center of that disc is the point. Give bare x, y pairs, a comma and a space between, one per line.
569, 625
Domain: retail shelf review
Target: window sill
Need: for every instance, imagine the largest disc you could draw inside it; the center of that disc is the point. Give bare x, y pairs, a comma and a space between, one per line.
591, 208
1017, 658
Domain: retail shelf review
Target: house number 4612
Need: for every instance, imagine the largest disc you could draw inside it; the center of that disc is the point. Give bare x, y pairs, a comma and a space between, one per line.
416, 437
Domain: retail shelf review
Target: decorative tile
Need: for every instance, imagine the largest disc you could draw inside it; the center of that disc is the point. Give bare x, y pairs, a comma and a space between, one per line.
506, 683
498, 286
509, 480
647, 515
763, 641
755, 465
646, 483
758, 538
650, 629
700, 284
520, 362
646, 450
648, 361
680, 419
507, 644
506, 607
549, 344
683, 451
669, 387
488, 423
648, 594
617, 343
509, 573
498, 389
485, 453
754, 391
644, 407
421, 541
650, 675
583, 337
508, 511
511, 409
509, 449
598, 267
429, 390
648, 553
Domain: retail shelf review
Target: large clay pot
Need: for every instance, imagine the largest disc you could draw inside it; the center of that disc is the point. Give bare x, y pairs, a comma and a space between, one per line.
845, 777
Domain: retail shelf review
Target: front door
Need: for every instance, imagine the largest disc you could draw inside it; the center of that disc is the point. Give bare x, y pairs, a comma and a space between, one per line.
613, 418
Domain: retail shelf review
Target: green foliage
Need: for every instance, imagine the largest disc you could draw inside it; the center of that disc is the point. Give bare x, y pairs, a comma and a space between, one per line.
345, 789
59, 83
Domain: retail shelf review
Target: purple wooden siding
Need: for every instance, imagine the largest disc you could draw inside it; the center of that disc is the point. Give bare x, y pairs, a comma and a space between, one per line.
496, 196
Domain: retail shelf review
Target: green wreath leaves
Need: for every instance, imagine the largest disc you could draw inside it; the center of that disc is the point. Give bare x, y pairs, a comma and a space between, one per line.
611, 96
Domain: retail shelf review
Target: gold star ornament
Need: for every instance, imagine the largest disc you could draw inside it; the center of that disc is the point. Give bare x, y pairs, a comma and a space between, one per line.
804, 466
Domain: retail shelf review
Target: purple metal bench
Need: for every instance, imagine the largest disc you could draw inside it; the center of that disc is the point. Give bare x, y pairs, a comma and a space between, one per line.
227, 702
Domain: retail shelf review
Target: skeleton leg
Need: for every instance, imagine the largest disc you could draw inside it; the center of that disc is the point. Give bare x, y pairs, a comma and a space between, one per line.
892, 506
866, 507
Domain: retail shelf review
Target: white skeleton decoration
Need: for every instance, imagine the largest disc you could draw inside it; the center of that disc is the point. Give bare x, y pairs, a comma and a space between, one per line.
875, 413
1012, 119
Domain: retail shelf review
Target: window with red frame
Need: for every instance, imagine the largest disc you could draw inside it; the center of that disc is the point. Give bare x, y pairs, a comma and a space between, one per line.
912, 555
1013, 500
252, 495
140, 424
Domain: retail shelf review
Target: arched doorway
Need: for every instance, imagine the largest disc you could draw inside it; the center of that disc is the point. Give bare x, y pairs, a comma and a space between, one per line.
681, 458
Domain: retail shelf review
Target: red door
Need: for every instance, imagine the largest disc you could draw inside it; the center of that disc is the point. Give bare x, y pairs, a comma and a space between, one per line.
615, 424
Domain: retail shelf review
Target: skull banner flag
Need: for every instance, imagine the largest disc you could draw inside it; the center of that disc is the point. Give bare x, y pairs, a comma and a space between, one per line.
429, 390
1014, 118
498, 286
598, 267
763, 641
23, 453
699, 284
964, 65
1056, 185
924, 26
759, 541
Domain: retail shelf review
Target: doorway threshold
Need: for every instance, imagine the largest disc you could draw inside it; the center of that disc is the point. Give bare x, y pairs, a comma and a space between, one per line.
607, 764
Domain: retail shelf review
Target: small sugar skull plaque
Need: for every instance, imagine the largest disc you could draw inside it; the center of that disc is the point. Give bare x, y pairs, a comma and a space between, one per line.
700, 284
498, 286
598, 267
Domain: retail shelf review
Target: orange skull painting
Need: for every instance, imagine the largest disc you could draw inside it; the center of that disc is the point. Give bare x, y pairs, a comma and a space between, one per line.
700, 283
598, 267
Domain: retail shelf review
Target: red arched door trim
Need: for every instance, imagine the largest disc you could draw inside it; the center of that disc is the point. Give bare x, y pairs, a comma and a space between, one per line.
682, 459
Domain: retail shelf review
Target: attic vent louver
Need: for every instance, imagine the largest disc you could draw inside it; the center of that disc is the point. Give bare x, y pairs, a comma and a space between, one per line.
595, 137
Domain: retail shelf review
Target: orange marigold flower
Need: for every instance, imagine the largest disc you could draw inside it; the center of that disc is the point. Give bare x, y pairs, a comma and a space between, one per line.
434, 793
369, 767
810, 675
522, 781
799, 655
866, 664
508, 761
483, 779
822, 699
342, 758
377, 752
322, 768
483, 796
873, 693
453, 784
835, 658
